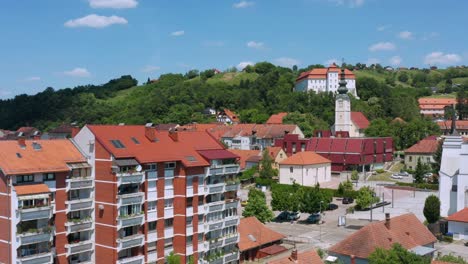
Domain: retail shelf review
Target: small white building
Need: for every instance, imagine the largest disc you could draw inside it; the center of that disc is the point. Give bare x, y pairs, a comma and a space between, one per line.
458, 224
305, 168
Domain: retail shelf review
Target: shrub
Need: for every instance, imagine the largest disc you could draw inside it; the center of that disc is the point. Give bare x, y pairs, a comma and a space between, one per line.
448, 239
428, 186
380, 170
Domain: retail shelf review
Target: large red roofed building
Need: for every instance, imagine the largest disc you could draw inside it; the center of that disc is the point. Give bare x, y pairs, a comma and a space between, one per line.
460, 125
299, 257
435, 107
325, 80
159, 192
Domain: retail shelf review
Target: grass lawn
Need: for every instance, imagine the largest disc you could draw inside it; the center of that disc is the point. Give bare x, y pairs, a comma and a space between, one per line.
386, 175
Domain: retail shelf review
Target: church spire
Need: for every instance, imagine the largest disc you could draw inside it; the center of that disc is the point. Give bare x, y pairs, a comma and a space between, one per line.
342, 89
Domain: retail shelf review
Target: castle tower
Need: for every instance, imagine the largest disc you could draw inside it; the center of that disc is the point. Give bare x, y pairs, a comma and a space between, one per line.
342, 106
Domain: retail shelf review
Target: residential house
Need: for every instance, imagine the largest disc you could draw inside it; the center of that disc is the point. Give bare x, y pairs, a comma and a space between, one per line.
405, 230
276, 118
460, 125
258, 241
5, 134
245, 160
424, 151
62, 131
278, 155
305, 168
458, 224
299, 257
227, 117
435, 107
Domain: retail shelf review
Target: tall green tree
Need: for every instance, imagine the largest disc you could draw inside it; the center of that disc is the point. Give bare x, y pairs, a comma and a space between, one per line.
266, 169
432, 209
173, 258
396, 255
366, 197
256, 206
421, 169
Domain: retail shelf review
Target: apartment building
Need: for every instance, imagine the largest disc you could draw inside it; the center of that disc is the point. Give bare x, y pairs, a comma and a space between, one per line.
46, 203
159, 192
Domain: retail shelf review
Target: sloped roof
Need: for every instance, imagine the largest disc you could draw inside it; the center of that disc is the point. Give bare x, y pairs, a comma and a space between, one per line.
305, 158
305, 257
277, 118
321, 73
459, 124
260, 130
405, 229
52, 156
425, 146
274, 151
360, 120
63, 128
31, 189
460, 216
436, 101
244, 155
254, 234
233, 116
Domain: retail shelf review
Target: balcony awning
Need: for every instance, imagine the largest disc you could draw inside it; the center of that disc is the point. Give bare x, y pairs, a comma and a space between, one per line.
126, 162
34, 196
217, 154
422, 250
32, 189
79, 165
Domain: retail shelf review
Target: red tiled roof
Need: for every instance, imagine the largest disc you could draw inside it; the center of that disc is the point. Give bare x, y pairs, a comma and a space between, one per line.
52, 156
213, 154
321, 73
231, 115
273, 151
436, 101
432, 107
273, 249
360, 120
425, 146
27, 129
254, 234
305, 158
460, 216
244, 155
305, 257
63, 128
459, 124
276, 118
32, 189
405, 229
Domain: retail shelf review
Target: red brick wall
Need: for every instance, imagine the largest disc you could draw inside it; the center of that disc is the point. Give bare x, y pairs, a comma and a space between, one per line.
4, 223
105, 255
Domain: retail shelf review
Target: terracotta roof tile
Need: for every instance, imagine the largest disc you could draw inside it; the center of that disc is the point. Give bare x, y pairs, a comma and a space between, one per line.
254, 234
405, 229
321, 73
305, 257
459, 124
31, 189
360, 120
436, 101
305, 158
425, 146
233, 116
273, 151
244, 155
52, 156
460, 216
277, 118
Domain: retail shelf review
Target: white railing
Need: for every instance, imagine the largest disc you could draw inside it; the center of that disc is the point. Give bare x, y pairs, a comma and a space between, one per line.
131, 198
131, 241
223, 169
77, 225
35, 213
132, 260
134, 177
132, 220
33, 238
79, 183
80, 204
43, 258
79, 247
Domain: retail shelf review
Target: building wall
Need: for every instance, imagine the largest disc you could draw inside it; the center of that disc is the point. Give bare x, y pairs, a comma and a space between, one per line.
347, 259
280, 157
343, 114
411, 160
459, 230
330, 84
308, 175
5, 211
452, 164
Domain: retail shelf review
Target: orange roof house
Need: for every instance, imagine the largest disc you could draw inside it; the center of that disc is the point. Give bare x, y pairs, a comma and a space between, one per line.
458, 224
305, 257
435, 106
360, 120
305, 168
460, 216
245, 155
425, 146
277, 118
305, 158
405, 230
256, 240
321, 73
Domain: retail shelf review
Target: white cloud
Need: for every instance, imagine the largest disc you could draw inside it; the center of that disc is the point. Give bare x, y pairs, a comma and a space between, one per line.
255, 45
116, 4
405, 35
372, 61
331, 61
178, 33
243, 4
438, 57
150, 68
95, 21
395, 60
32, 79
350, 3
78, 72
287, 62
244, 64
382, 46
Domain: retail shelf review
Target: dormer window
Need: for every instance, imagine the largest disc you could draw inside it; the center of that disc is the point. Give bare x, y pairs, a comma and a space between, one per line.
117, 144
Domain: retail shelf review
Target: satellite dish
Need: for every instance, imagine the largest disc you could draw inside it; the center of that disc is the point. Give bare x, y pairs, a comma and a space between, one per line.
138, 168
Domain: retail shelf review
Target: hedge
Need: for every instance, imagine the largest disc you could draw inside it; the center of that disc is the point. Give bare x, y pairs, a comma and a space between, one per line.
429, 186
327, 191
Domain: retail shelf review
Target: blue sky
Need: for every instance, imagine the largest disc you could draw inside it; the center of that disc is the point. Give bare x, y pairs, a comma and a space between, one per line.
62, 44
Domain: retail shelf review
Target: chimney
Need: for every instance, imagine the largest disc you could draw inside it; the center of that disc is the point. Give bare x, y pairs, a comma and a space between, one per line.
22, 142
173, 135
150, 132
294, 255
387, 220
74, 131
286, 132
353, 259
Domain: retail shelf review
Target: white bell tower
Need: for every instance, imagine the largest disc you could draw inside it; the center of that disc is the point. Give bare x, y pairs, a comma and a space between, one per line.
342, 107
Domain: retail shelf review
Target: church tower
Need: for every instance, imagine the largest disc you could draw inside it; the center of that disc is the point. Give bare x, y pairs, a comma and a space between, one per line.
342, 106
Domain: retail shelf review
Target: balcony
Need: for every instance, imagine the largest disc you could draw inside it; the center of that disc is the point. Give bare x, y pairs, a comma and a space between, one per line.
79, 247
130, 241
77, 225
130, 177
131, 198
80, 204
216, 225
34, 213
231, 222
131, 220
132, 260
42, 258
232, 204
224, 169
79, 183
230, 239
216, 188
231, 257
232, 186
216, 206
35, 236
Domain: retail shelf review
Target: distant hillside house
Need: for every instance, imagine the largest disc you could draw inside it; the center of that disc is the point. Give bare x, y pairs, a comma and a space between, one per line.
227, 117
435, 107
460, 125
276, 118
305, 168
424, 150
325, 80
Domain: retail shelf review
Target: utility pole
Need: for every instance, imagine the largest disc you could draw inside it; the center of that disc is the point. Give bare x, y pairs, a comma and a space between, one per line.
392, 197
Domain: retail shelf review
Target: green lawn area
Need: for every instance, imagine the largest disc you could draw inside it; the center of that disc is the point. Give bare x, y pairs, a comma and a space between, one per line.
386, 175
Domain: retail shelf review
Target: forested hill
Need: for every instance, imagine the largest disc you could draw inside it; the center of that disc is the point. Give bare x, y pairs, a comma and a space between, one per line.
254, 94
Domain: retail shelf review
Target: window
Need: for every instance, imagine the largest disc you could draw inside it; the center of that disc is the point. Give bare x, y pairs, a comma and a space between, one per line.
303, 146
91, 147
117, 144
291, 169
168, 222
132, 209
189, 220
48, 177
152, 226
24, 178
200, 200
428, 159
410, 158
169, 183
168, 242
169, 165
189, 201
152, 167
135, 140
189, 181
168, 203
189, 240
152, 206
200, 219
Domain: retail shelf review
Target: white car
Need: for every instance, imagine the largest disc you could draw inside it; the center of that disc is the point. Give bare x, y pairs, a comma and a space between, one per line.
427, 175
396, 176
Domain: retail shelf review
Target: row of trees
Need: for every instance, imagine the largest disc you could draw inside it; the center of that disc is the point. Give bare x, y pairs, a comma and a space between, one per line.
297, 198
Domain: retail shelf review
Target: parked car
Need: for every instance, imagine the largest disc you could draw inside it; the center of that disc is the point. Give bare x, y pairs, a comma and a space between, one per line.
404, 174
466, 244
396, 176
332, 207
314, 218
347, 200
294, 216
283, 216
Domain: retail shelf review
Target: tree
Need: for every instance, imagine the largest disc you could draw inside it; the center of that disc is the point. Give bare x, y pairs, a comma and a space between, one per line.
366, 197
266, 170
396, 255
421, 169
432, 209
355, 176
437, 158
256, 206
452, 259
403, 77
312, 200
173, 259
191, 260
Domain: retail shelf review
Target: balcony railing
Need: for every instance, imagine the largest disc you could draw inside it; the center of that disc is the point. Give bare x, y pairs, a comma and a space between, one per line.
216, 206
132, 260
79, 183
131, 241
215, 188
126, 178
231, 257
80, 204
35, 236
230, 239
42, 258
232, 204
131, 220
232, 186
131, 198
27, 214
77, 225
224, 169
79, 247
